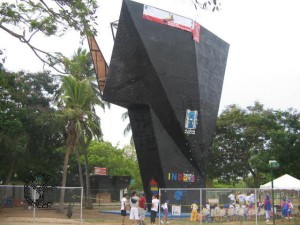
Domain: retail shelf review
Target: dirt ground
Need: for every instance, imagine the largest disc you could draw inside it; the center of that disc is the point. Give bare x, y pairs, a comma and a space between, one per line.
22, 216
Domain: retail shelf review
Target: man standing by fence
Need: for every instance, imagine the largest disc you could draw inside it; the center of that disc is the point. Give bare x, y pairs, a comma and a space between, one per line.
154, 208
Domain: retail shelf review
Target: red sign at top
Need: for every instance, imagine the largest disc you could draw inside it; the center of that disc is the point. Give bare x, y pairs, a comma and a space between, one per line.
100, 171
170, 19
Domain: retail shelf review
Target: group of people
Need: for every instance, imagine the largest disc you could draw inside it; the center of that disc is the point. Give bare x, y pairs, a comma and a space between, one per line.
198, 216
241, 199
285, 205
137, 207
248, 201
286, 208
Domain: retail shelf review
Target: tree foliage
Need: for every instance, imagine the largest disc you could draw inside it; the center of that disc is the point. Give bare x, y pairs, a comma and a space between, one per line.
120, 162
29, 134
285, 144
27, 18
246, 139
76, 101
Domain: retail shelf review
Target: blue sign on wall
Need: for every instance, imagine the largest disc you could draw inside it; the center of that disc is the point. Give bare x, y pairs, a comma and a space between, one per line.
191, 121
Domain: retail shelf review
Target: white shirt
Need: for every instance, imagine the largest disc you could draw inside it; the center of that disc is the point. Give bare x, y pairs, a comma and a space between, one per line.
231, 197
250, 198
123, 203
241, 198
207, 206
136, 203
165, 205
155, 203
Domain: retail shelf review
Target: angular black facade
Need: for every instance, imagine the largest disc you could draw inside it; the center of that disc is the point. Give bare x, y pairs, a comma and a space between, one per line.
158, 72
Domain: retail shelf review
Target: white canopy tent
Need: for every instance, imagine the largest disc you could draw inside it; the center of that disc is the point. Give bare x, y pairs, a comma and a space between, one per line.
285, 182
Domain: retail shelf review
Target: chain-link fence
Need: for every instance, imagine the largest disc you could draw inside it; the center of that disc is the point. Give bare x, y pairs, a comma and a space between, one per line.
102, 196
42, 202
223, 206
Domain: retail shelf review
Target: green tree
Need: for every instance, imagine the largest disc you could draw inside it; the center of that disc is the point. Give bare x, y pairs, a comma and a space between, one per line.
285, 142
240, 145
127, 129
77, 101
120, 162
80, 67
29, 133
25, 19
246, 139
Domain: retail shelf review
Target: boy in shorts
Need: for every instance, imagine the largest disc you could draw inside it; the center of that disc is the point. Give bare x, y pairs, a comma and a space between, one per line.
123, 208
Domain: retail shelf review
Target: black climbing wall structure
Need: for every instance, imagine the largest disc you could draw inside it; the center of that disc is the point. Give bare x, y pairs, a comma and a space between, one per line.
170, 80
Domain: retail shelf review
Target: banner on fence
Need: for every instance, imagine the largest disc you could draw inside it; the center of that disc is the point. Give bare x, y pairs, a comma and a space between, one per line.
176, 210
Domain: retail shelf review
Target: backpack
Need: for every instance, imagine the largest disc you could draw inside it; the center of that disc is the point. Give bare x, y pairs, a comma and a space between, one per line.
133, 200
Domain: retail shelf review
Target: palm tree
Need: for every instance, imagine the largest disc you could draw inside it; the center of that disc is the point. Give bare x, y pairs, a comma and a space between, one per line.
77, 99
80, 67
127, 129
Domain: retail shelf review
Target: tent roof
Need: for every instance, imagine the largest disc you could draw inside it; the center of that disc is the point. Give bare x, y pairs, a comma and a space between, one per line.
286, 182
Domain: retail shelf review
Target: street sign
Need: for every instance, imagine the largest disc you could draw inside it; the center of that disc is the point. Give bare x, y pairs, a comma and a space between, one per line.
273, 164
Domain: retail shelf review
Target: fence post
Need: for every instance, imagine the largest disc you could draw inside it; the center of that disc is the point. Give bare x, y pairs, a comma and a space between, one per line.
201, 217
159, 204
256, 206
34, 205
81, 202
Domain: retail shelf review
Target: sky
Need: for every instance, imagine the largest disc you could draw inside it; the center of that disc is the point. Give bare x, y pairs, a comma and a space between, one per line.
263, 61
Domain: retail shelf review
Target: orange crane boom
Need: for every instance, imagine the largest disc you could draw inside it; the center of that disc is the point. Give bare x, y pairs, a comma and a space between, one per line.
99, 62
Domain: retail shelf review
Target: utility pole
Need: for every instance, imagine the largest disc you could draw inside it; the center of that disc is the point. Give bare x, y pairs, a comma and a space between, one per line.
273, 165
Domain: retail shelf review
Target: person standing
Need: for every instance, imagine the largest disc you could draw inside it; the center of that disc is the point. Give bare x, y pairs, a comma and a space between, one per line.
285, 209
231, 198
123, 208
207, 212
166, 212
290, 208
154, 208
242, 199
134, 211
194, 213
142, 208
267, 207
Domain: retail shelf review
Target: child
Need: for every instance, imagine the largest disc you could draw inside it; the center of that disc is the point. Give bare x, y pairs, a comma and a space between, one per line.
194, 213
284, 208
245, 210
123, 208
290, 207
267, 207
166, 212
206, 212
